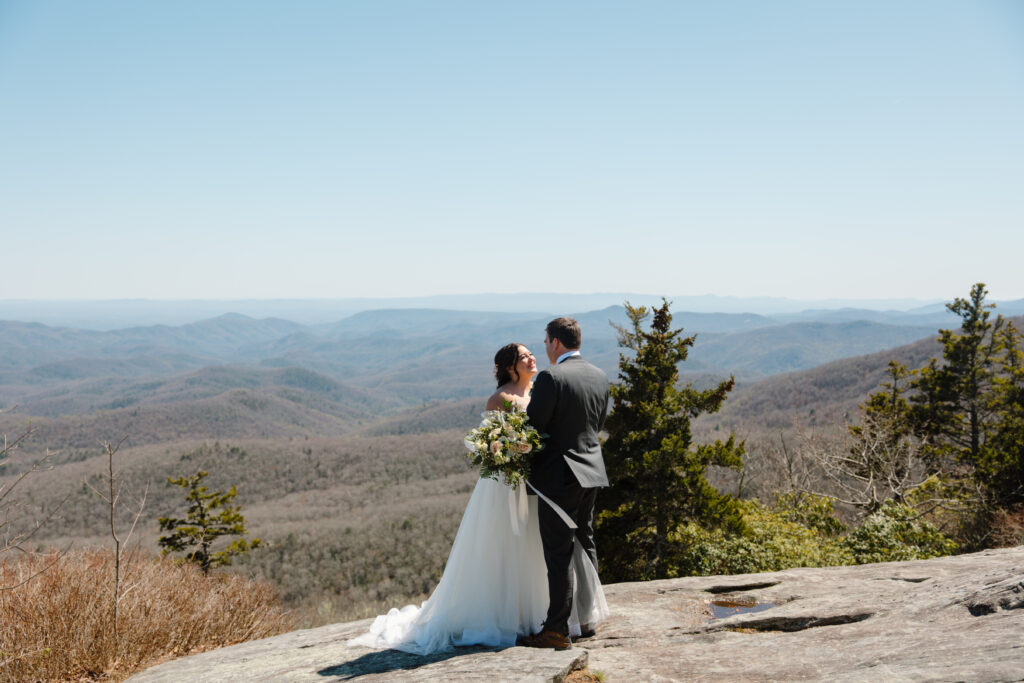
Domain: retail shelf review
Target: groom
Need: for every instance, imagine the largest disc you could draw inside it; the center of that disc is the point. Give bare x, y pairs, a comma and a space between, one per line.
568, 403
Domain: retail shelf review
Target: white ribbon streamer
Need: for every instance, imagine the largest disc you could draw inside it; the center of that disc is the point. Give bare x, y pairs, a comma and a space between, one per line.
519, 511
559, 511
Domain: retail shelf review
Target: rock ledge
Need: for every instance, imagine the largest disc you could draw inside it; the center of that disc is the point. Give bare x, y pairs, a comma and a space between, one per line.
948, 619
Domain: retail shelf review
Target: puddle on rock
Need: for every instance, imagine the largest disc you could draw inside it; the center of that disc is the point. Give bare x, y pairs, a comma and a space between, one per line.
725, 607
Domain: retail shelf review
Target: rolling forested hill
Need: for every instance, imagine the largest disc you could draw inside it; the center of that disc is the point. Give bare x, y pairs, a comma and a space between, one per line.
400, 357
345, 441
834, 388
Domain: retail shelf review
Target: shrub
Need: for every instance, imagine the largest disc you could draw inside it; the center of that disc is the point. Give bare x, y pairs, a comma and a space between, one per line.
770, 542
814, 512
59, 625
896, 532
802, 531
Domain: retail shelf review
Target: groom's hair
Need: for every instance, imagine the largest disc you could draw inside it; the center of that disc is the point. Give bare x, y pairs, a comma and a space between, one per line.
565, 330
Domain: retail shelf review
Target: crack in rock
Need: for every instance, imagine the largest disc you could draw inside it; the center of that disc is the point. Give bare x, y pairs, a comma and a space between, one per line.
741, 587
1008, 594
790, 624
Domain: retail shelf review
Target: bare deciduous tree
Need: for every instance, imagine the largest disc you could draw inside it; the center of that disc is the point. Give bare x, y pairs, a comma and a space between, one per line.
881, 463
111, 497
11, 537
876, 467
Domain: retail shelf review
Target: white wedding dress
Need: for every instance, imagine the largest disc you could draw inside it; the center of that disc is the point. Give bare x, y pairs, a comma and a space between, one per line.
494, 586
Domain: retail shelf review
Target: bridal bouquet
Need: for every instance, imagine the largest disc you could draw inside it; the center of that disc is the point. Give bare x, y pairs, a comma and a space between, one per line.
502, 444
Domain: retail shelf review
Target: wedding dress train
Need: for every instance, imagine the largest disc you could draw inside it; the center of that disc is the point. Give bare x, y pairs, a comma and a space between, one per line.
494, 586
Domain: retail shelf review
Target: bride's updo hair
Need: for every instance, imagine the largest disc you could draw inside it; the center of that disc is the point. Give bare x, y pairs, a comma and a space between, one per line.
506, 357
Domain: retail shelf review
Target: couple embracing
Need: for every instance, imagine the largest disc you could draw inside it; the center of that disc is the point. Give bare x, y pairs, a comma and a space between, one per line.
532, 584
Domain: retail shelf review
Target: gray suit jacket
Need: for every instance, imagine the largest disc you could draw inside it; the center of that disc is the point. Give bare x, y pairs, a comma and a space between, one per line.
569, 403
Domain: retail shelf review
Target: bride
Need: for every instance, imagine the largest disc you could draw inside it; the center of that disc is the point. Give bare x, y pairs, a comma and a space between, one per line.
494, 586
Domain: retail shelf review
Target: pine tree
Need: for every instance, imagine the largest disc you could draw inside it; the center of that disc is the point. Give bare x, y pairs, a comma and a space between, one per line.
1000, 466
210, 515
890, 404
953, 405
968, 407
657, 474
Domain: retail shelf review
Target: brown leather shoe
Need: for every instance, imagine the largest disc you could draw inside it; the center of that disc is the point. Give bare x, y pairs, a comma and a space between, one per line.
552, 640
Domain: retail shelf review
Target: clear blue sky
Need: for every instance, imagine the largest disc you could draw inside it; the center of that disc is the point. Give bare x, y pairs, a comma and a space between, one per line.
383, 148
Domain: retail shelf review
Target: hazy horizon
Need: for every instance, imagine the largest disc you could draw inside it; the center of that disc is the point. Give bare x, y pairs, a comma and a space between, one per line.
114, 313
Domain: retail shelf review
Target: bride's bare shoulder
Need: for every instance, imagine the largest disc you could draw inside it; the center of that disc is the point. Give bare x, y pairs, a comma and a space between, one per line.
503, 395
497, 400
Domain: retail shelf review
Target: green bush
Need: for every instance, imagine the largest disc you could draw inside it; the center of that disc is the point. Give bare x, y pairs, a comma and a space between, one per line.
896, 532
771, 541
814, 512
802, 531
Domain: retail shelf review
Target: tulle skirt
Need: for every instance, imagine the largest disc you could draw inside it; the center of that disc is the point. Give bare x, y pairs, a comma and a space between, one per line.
494, 586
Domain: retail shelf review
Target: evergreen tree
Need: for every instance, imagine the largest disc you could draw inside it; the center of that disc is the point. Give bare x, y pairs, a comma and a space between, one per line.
1000, 466
953, 405
889, 404
657, 474
210, 515
967, 408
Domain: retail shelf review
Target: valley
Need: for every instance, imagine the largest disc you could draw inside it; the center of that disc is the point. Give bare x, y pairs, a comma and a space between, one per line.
344, 440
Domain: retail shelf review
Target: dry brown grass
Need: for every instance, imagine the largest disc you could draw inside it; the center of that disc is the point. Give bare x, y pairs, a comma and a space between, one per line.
584, 675
59, 625
1008, 528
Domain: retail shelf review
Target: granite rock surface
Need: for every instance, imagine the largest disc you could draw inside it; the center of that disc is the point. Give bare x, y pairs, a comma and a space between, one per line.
949, 619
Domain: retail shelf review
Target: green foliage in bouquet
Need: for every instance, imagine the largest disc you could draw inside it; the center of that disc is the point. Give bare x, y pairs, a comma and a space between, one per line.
503, 445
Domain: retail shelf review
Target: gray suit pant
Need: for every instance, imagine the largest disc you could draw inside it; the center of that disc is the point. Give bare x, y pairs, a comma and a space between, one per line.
557, 540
